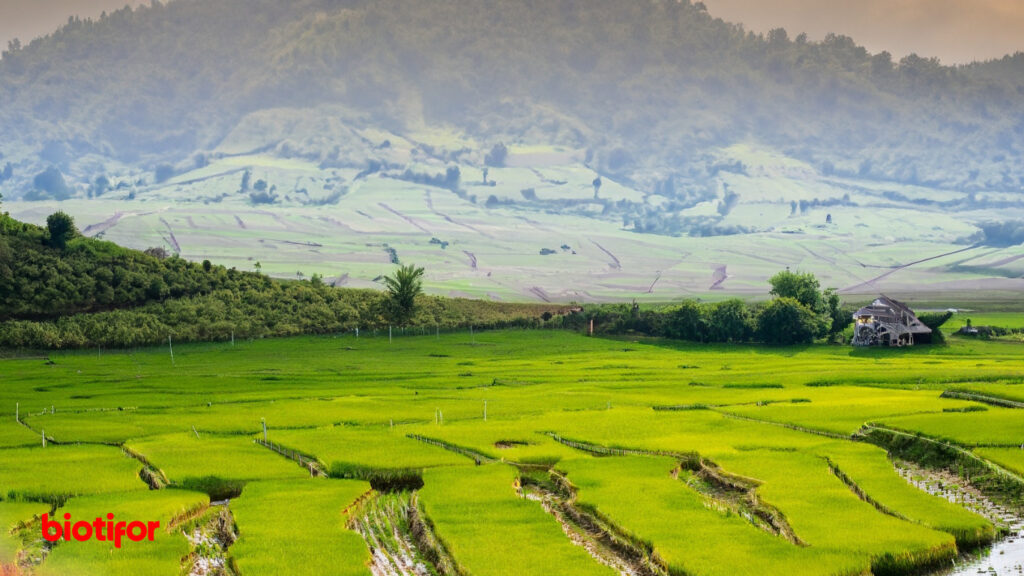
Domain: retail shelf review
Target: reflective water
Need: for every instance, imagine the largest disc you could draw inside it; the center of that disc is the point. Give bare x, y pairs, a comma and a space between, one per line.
1005, 557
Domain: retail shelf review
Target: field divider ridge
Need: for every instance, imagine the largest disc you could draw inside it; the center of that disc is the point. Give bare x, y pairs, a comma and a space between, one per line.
478, 457
311, 463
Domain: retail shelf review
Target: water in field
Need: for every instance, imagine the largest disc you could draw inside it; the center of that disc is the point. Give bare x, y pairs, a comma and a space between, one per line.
1005, 557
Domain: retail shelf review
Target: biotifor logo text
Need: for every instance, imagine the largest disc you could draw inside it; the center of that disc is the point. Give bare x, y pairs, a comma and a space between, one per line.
103, 531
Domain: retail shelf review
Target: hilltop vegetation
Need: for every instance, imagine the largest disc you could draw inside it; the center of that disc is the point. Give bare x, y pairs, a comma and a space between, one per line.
647, 88
90, 293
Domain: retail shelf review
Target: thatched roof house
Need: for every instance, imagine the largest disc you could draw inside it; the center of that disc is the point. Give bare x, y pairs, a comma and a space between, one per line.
888, 322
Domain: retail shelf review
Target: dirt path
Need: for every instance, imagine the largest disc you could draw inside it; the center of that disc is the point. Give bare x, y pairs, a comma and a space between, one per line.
903, 267
101, 227
450, 220
338, 223
650, 289
402, 216
615, 264
172, 241
540, 293
718, 277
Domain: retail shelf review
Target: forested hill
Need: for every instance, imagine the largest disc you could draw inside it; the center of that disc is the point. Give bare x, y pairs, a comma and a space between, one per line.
646, 87
66, 291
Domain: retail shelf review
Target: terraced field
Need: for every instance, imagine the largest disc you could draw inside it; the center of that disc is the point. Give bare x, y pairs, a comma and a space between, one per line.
534, 232
514, 452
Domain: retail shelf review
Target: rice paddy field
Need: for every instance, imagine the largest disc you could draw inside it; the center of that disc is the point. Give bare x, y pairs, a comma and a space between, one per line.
506, 453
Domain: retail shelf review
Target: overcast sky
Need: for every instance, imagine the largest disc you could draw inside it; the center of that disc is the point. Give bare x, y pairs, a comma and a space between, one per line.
28, 19
953, 30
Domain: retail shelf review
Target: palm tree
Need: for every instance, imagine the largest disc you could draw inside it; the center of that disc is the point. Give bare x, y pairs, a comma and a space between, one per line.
403, 287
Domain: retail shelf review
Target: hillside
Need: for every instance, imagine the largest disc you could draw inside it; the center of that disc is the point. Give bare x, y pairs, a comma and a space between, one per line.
325, 135
95, 293
647, 87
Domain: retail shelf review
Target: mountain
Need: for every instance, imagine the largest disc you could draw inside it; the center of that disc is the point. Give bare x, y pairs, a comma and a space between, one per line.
646, 116
645, 86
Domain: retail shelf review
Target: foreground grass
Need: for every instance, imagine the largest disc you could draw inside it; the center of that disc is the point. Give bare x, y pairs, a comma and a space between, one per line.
298, 527
493, 532
92, 557
778, 417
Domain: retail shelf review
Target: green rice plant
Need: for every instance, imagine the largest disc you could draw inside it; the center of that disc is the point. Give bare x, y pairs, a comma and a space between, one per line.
1010, 458
491, 531
870, 470
13, 434
298, 526
688, 532
162, 556
359, 448
14, 515
802, 487
994, 427
520, 440
185, 456
56, 473
844, 409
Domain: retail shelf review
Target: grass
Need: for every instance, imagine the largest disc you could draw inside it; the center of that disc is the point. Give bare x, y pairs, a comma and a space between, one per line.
291, 527
92, 557
492, 532
54, 473
844, 409
776, 416
995, 427
350, 450
688, 534
13, 515
182, 456
1010, 458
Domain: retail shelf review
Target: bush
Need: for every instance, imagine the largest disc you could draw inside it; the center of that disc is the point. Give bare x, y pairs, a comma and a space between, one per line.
787, 321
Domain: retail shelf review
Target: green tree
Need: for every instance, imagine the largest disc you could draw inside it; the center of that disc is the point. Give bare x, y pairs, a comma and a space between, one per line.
802, 287
403, 288
686, 322
729, 321
61, 228
787, 321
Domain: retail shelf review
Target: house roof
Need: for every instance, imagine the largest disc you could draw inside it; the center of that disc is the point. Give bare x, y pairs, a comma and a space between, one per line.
885, 309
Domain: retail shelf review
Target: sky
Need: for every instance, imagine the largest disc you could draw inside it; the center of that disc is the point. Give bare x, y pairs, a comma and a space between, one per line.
955, 31
28, 19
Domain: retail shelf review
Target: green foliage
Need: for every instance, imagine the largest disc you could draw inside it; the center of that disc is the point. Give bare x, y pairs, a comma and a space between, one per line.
934, 320
686, 322
354, 401
730, 321
96, 293
61, 228
787, 321
275, 533
403, 287
802, 287
491, 531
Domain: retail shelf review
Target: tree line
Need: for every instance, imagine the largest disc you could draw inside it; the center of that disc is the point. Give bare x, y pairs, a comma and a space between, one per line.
800, 313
